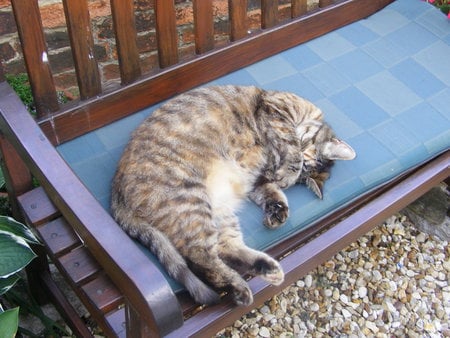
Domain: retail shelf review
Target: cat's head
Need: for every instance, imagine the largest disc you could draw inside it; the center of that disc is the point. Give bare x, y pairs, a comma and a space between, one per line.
299, 125
319, 151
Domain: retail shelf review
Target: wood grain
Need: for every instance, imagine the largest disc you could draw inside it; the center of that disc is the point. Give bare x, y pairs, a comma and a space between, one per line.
166, 33
82, 45
298, 7
238, 19
35, 54
91, 114
203, 26
125, 32
269, 13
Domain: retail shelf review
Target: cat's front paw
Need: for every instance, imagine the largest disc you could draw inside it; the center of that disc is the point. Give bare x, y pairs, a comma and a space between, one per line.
275, 214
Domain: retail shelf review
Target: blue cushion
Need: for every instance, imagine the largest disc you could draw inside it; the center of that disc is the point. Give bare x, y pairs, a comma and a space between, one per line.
383, 84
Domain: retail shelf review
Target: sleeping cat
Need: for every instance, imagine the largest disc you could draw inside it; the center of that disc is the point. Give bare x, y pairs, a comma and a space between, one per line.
188, 167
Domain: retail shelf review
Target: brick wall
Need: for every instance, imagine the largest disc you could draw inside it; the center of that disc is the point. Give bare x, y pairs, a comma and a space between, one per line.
60, 57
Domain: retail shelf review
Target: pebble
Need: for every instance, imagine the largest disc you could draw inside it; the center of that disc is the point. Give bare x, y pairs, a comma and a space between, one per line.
264, 332
314, 307
308, 281
394, 281
362, 291
446, 265
346, 313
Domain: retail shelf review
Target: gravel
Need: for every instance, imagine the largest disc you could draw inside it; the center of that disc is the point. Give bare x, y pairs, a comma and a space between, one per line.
394, 281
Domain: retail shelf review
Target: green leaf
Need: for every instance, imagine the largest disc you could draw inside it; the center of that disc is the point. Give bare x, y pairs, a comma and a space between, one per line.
7, 283
10, 225
445, 8
15, 254
2, 180
9, 321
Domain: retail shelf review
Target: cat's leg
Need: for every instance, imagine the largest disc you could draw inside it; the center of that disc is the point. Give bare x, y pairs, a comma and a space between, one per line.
240, 257
206, 262
273, 201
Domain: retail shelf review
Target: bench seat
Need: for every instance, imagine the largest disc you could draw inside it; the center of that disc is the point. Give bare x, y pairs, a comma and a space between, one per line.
380, 88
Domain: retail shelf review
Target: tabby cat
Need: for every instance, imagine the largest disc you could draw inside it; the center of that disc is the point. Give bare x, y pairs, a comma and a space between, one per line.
188, 167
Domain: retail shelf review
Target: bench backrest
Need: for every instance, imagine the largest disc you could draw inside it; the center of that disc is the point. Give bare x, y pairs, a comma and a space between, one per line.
100, 103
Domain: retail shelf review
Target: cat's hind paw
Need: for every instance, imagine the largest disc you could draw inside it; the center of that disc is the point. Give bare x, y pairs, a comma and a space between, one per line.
275, 277
242, 295
269, 270
275, 214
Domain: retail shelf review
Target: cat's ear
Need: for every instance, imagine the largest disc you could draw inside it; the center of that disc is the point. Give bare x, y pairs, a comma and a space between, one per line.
338, 150
314, 186
316, 181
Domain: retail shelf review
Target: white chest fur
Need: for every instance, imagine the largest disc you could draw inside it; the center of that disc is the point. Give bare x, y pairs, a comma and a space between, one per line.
228, 184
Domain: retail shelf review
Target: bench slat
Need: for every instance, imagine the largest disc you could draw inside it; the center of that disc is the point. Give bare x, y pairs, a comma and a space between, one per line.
166, 32
269, 13
29, 27
37, 207
103, 293
82, 43
74, 262
125, 32
79, 265
324, 3
298, 7
238, 19
58, 236
203, 25
116, 320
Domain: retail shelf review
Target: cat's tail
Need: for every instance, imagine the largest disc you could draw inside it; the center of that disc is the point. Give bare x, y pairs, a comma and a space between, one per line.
176, 265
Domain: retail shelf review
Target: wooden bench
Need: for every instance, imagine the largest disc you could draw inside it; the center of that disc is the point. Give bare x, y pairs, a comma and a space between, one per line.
126, 292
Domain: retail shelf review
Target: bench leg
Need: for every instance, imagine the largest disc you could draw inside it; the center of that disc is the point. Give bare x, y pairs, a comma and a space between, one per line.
34, 272
63, 306
18, 178
136, 328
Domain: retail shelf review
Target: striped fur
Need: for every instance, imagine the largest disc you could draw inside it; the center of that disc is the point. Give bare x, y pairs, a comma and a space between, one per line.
188, 167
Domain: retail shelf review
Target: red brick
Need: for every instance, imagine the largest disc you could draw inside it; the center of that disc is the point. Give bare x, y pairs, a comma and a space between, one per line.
143, 5
186, 52
6, 52
146, 42
186, 35
100, 52
5, 3
105, 29
111, 72
61, 61
145, 21
53, 15
57, 39
14, 67
149, 63
184, 15
7, 23
65, 80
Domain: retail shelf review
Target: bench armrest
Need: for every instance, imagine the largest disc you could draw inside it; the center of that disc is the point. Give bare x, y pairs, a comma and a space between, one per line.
142, 284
